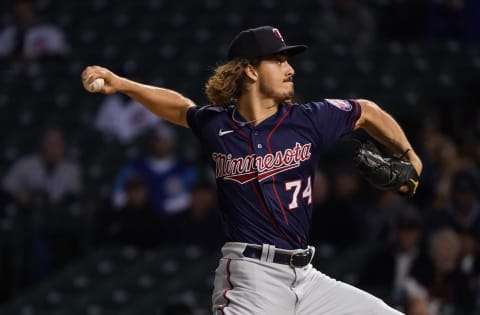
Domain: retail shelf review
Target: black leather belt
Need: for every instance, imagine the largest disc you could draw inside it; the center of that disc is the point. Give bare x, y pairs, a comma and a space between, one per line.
297, 260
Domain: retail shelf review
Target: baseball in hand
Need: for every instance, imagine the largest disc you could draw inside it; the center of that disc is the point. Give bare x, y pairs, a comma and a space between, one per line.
95, 86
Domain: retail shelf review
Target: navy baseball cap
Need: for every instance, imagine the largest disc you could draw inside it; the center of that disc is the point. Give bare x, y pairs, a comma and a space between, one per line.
259, 42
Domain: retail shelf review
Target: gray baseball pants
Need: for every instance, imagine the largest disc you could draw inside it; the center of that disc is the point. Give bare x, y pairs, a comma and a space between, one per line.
249, 286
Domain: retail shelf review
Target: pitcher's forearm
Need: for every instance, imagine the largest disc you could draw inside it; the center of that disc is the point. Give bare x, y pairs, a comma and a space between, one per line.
164, 103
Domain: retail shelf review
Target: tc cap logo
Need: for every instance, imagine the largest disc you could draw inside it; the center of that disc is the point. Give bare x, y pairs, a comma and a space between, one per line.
277, 34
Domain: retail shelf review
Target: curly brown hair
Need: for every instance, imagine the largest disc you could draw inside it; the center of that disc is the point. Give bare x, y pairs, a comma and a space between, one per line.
227, 82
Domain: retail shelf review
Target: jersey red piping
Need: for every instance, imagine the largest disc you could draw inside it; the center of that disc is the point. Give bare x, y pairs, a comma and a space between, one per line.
228, 289
257, 193
356, 113
270, 151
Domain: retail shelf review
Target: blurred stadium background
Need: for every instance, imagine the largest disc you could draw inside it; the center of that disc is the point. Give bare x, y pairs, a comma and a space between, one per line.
420, 60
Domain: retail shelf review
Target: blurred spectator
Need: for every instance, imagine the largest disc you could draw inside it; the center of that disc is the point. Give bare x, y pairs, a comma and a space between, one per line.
438, 275
454, 20
340, 220
123, 118
430, 139
347, 22
449, 162
200, 225
47, 176
168, 178
402, 20
419, 305
48, 187
387, 269
381, 215
462, 212
321, 188
443, 159
30, 39
136, 223
470, 261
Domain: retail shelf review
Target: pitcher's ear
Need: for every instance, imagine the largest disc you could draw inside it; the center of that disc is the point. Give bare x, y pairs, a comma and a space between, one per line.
251, 72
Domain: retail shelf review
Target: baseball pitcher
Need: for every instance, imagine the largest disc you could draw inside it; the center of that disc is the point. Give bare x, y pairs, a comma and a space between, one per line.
264, 150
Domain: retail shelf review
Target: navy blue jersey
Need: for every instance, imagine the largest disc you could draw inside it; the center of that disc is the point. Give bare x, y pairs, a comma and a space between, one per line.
265, 173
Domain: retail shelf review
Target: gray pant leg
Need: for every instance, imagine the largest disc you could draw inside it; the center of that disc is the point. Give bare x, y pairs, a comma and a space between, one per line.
320, 294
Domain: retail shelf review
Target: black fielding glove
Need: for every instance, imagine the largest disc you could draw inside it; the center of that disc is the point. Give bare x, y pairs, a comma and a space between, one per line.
383, 171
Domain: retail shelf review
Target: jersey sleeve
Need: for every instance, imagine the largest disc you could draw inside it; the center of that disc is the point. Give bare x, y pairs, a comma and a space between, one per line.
199, 119
195, 116
334, 118
192, 118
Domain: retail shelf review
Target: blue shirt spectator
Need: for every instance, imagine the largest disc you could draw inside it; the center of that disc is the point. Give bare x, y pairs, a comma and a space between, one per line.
168, 178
